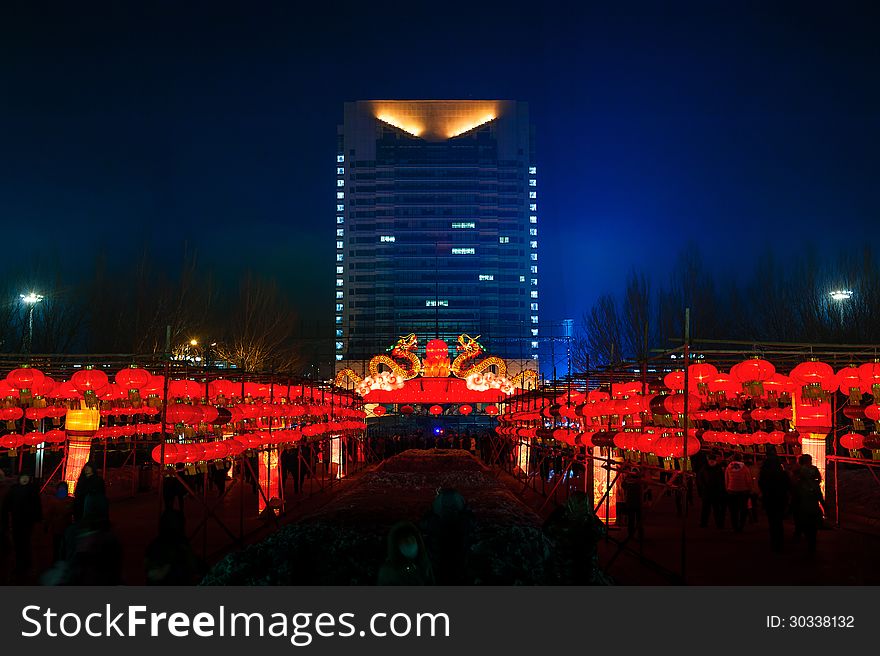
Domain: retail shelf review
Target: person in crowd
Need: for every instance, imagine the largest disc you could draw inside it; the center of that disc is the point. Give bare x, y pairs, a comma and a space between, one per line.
58, 517
94, 553
633, 492
774, 485
738, 483
89, 482
755, 493
169, 559
448, 530
21, 509
808, 503
407, 561
576, 530
218, 471
710, 487
173, 490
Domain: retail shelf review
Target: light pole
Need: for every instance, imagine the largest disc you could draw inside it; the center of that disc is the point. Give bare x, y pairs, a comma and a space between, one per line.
30, 300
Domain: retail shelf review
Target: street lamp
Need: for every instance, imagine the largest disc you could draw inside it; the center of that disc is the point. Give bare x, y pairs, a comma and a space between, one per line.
841, 294
30, 300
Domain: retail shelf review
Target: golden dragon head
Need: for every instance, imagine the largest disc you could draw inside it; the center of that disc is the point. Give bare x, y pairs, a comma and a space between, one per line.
469, 344
405, 344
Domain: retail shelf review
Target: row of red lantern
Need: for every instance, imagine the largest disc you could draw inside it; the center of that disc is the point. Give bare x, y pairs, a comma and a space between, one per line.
14, 440
704, 377
746, 439
96, 381
857, 441
181, 413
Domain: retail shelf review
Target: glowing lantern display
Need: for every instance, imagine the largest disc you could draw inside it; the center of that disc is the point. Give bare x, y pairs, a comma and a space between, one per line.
270, 480
24, 378
89, 380
674, 380
852, 441
132, 378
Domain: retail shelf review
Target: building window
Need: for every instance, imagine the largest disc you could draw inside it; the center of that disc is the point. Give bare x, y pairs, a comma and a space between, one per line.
534, 307
534, 268
533, 170
534, 293
340, 219
533, 207
534, 345
487, 276
533, 219
464, 224
340, 183
340, 159
534, 257
534, 319
340, 208
339, 332
534, 281
339, 346
339, 282
534, 332
440, 303
339, 356
338, 319
338, 244
533, 232
504, 240
533, 194
522, 278
464, 251
386, 238
339, 257
534, 356
340, 232
339, 307
339, 294
339, 270
340, 170
533, 244
533, 182
340, 195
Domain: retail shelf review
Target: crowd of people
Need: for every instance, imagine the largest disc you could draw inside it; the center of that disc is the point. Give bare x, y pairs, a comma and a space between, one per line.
738, 488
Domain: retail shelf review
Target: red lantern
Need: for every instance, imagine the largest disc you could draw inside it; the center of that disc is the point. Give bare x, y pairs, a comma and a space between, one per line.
812, 373
721, 383
870, 375
465, 410
222, 387
674, 380
6, 389
56, 436
24, 378
852, 441
406, 410
181, 414
89, 380
46, 386
132, 378
753, 370
34, 438
872, 412
492, 410
435, 410
674, 403
179, 389
379, 410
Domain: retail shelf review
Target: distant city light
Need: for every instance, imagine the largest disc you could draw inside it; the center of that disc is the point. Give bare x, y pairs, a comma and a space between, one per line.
841, 294
30, 298
193, 342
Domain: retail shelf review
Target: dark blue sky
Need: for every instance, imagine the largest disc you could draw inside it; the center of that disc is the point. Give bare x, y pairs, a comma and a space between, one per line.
734, 126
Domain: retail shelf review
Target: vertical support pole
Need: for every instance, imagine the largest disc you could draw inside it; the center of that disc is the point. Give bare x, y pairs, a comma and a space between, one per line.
687, 360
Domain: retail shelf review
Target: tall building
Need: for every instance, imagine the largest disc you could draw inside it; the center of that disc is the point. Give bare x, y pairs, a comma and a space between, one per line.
436, 226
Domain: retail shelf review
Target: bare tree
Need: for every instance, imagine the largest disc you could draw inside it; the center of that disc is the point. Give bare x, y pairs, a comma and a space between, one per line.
601, 341
259, 330
637, 316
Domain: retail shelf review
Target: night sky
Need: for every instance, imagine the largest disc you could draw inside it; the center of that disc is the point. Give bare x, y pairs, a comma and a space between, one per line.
735, 129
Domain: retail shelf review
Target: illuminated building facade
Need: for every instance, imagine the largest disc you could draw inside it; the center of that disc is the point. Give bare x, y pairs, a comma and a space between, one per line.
436, 226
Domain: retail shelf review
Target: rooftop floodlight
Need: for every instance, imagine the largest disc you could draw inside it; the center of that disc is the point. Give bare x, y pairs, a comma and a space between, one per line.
841, 294
31, 298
